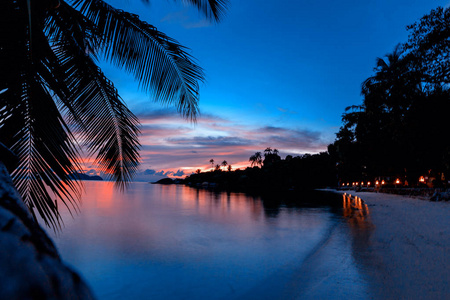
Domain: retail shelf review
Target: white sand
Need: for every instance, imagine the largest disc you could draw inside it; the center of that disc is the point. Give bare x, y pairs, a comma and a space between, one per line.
405, 253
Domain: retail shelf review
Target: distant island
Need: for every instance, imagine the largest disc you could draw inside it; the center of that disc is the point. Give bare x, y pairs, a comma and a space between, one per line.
168, 181
81, 176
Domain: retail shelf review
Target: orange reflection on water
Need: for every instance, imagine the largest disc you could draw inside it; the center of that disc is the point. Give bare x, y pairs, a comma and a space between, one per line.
105, 195
355, 210
220, 205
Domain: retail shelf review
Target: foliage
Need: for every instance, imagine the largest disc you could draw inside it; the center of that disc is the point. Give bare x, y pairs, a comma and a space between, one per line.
52, 91
399, 128
276, 174
429, 44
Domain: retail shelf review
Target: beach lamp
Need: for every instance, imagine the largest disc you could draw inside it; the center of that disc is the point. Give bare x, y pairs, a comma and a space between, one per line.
357, 183
397, 181
362, 182
348, 183
422, 179
377, 182
383, 182
343, 184
368, 183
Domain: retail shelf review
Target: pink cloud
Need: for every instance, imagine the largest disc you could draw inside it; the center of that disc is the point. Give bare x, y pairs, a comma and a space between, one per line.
174, 147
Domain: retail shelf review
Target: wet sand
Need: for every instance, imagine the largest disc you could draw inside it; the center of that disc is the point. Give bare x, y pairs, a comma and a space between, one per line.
402, 246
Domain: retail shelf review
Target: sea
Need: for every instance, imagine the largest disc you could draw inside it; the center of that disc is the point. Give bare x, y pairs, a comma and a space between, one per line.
177, 242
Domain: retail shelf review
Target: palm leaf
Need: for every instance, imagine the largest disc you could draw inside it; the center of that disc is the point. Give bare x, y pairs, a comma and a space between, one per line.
45, 149
212, 9
100, 118
159, 63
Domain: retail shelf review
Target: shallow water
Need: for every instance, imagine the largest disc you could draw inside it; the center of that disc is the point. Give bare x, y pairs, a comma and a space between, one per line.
176, 242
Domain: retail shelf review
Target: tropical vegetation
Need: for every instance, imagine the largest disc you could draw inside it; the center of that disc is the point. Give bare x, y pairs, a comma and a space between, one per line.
55, 100
303, 172
400, 131
397, 136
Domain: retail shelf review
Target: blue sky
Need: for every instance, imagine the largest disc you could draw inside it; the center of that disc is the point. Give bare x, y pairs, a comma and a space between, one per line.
278, 74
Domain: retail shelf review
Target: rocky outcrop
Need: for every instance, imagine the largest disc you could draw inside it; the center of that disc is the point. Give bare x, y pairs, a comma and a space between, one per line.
30, 266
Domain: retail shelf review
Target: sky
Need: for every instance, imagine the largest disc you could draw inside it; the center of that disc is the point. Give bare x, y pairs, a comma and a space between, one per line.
279, 74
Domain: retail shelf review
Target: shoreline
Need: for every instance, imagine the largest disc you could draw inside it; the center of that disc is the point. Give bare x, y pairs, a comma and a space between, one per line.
407, 251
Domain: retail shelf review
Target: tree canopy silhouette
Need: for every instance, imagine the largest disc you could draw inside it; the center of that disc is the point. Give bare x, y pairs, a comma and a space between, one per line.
54, 98
398, 129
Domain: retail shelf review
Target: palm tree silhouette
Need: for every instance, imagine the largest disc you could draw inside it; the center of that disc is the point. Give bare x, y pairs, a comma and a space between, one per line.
211, 161
224, 163
53, 93
256, 159
267, 151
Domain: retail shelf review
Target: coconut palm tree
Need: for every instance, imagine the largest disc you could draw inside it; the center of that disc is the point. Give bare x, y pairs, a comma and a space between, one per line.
211, 161
54, 98
256, 159
224, 163
258, 156
268, 151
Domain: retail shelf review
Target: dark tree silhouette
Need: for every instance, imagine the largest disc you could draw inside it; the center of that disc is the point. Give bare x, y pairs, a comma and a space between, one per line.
224, 163
53, 92
256, 159
398, 129
267, 151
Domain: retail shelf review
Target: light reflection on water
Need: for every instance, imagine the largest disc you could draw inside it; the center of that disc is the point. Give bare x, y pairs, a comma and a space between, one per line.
175, 242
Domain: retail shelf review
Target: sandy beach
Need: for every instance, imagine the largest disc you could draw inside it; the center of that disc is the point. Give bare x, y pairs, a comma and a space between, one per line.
402, 245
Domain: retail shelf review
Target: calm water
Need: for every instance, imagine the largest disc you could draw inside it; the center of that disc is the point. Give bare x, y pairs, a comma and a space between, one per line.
176, 242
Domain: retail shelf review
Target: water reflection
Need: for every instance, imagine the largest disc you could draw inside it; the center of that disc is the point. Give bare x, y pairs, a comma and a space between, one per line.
166, 242
356, 211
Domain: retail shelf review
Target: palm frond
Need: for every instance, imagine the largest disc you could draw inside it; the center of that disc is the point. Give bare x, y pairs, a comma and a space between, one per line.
100, 118
158, 62
30, 122
38, 135
212, 9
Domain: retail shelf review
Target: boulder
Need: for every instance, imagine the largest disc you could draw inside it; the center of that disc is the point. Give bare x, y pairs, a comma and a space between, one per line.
30, 266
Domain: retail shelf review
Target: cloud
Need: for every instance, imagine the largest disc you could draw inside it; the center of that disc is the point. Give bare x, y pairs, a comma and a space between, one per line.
149, 172
173, 147
286, 111
185, 19
176, 16
179, 173
219, 141
199, 24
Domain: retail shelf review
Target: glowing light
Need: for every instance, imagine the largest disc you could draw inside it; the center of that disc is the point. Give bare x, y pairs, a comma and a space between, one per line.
348, 183
397, 181
377, 182
368, 183
422, 179
383, 182
343, 184
357, 183
362, 182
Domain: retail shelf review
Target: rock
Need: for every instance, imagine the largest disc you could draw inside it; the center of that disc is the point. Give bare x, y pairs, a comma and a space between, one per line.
30, 266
